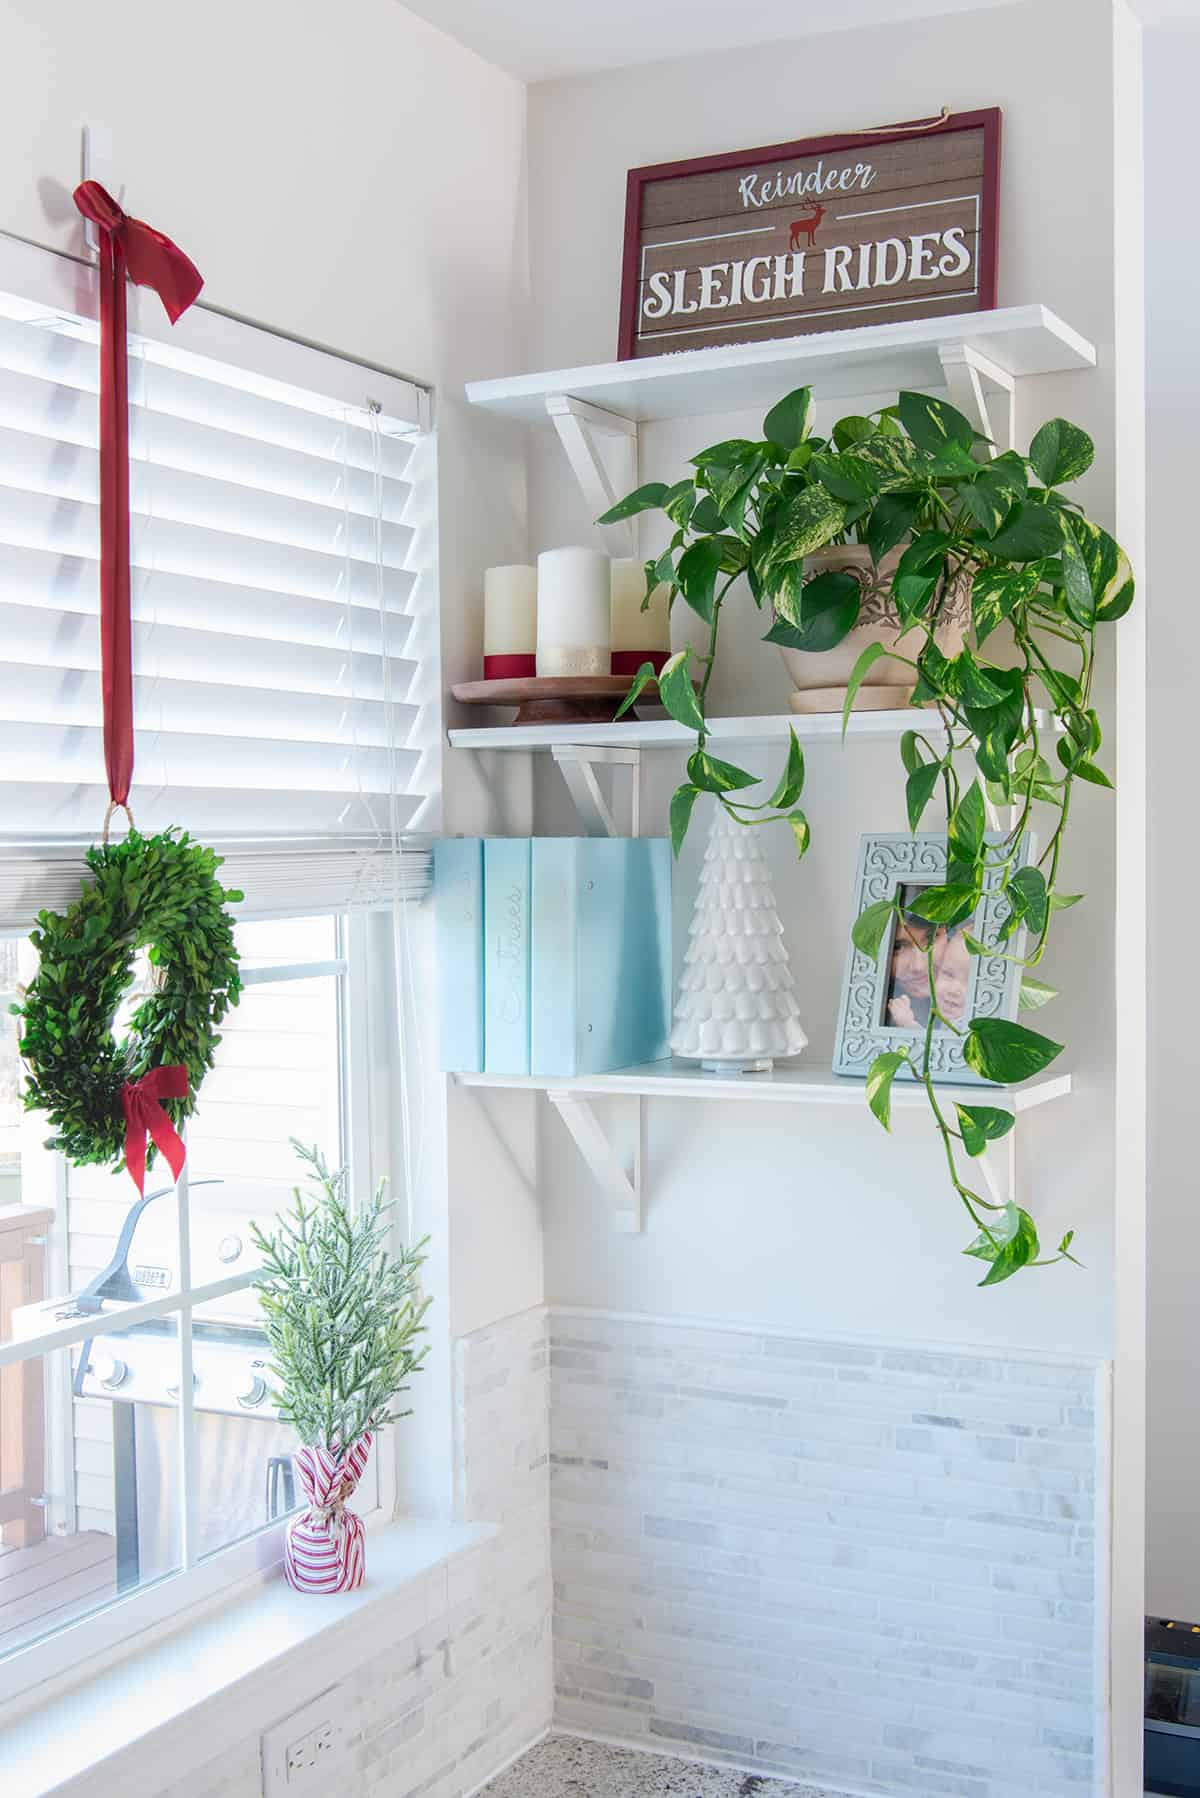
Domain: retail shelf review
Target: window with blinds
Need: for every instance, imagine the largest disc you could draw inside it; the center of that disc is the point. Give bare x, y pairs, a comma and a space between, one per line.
286, 686
278, 671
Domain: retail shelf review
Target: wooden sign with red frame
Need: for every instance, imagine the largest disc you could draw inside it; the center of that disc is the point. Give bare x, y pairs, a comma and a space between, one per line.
820, 235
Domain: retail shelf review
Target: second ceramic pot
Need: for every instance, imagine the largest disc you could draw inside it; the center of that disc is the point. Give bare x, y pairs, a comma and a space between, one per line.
821, 679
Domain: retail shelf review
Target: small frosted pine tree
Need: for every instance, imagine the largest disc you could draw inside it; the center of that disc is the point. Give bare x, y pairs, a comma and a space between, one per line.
737, 1007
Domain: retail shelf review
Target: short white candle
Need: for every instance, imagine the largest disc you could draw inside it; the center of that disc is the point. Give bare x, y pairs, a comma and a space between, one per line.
509, 621
638, 636
574, 621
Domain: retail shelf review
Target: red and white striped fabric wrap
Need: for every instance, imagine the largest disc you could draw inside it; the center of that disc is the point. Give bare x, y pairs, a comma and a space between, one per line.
323, 1551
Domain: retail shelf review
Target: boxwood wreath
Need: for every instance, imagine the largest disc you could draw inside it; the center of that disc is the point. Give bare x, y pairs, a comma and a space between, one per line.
1044, 579
158, 893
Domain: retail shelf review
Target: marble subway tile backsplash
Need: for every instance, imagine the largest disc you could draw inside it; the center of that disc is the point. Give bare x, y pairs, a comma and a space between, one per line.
864, 1566
870, 1568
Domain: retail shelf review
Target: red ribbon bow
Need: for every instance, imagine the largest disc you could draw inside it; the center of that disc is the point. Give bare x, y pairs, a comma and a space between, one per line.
134, 251
144, 1116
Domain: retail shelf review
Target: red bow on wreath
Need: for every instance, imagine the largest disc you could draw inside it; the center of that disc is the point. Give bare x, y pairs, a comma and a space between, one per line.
145, 1117
129, 250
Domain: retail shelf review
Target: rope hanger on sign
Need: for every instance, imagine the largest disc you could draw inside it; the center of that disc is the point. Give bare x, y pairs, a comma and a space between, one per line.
943, 118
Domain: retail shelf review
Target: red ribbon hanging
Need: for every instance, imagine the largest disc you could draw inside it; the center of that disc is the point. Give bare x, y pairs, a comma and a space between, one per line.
129, 250
145, 1117
134, 251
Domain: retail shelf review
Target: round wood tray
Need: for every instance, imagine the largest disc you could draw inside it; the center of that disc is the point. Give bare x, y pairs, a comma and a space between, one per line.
557, 699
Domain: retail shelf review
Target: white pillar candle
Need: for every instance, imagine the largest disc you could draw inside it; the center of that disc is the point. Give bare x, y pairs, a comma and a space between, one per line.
638, 636
574, 621
509, 622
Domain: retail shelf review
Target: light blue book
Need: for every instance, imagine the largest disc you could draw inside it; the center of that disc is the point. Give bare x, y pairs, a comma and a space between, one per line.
458, 898
601, 979
506, 955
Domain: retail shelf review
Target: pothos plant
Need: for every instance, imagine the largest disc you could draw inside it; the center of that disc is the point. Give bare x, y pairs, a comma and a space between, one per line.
1043, 579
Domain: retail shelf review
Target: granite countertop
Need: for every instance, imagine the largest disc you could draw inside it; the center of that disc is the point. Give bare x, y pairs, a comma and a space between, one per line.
568, 1767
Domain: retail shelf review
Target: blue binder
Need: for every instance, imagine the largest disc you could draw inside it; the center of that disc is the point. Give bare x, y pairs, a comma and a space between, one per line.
601, 962
458, 898
506, 931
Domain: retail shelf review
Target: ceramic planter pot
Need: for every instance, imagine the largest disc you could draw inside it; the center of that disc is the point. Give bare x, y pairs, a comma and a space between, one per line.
323, 1548
821, 679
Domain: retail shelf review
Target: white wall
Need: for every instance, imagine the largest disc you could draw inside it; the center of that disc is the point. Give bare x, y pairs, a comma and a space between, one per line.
805, 1218
1172, 61
315, 164
585, 133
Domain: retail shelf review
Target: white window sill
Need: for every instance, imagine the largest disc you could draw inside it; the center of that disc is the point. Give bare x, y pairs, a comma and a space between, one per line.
200, 1684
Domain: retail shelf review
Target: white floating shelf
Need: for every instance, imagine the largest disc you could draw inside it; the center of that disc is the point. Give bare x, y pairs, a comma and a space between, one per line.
623, 1182
1015, 340
800, 1085
664, 733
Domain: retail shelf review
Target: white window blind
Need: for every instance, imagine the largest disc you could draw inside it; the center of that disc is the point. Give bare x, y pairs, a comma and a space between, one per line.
279, 877
278, 678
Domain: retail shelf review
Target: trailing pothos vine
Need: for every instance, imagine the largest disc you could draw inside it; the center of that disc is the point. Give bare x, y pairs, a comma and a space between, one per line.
1015, 722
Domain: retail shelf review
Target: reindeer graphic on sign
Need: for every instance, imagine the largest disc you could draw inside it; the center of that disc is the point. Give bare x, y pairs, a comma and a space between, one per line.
806, 227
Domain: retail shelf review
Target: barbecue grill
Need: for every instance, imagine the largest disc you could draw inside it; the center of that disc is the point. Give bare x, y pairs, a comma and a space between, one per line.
243, 1469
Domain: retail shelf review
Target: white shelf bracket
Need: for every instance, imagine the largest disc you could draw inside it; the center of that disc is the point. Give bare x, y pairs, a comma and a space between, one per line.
622, 1185
577, 765
981, 389
504, 1150
998, 1165
604, 478
1000, 818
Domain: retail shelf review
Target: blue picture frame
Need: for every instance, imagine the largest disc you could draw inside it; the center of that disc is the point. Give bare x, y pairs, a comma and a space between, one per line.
887, 863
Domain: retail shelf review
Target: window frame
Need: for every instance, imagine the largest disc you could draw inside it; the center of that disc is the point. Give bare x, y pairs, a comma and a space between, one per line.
362, 968
51, 281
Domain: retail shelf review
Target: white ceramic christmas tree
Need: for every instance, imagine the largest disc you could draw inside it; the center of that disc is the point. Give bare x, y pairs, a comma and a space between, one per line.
737, 1009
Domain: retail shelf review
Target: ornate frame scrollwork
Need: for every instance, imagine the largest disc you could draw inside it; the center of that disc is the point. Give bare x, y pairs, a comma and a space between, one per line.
887, 861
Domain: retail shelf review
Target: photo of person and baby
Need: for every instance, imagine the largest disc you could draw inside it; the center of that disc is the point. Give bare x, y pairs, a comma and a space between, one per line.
908, 996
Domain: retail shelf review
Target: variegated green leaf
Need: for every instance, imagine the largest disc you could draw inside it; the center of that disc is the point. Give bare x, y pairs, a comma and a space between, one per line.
981, 1124
807, 521
1061, 452
714, 776
1012, 1245
789, 422
933, 423
643, 499
1107, 567
641, 680
682, 802
882, 1072
791, 781
677, 693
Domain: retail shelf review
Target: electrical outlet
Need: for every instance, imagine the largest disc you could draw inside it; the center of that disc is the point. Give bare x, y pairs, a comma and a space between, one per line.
303, 1750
